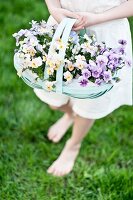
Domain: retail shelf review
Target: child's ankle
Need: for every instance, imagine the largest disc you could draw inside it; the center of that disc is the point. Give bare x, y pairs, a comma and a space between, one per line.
73, 144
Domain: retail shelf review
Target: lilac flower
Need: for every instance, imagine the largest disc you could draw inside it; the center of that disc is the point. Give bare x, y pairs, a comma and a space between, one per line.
102, 61
114, 57
111, 65
74, 37
107, 76
106, 53
83, 81
121, 50
98, 81
122, 42
96, 72
102, 50
86, 73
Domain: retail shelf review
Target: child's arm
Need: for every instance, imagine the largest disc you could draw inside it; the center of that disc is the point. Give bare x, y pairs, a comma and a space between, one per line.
53, 4
59, 13
122, 11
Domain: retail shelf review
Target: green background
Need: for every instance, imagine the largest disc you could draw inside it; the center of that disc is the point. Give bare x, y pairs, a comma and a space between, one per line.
104, 168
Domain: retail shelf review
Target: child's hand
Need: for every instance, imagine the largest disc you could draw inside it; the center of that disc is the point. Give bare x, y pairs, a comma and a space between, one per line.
88, 19
59, 14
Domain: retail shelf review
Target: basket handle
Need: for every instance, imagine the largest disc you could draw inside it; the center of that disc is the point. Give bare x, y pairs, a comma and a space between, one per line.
63, 30
57, 34
65, 37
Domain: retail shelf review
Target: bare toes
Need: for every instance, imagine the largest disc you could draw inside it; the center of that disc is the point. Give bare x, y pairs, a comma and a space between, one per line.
56, 139
50, 170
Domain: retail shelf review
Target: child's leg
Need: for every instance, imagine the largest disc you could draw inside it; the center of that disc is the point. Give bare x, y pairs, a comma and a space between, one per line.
65, 162
57, 131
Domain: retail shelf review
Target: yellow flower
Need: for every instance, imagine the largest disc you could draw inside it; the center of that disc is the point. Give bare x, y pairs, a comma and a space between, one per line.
44, 58
49, 85
70, 66
50, 71
68, 76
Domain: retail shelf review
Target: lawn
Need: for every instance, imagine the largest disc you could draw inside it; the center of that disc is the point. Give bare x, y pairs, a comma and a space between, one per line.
104, 168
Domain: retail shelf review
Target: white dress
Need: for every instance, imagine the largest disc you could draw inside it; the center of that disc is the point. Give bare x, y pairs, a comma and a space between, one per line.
110, 32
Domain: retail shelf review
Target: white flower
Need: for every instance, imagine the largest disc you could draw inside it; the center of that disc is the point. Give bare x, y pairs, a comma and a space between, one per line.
36, 62
76, 49
50, 71
33, 41
80, 64
25, 48
39, 47
43, 23
49, 85
70, 66
86, 46
68, 76
87, 38
80, 58
31, 50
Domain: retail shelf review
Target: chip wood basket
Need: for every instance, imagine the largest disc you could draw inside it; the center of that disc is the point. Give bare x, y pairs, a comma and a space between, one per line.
73, 89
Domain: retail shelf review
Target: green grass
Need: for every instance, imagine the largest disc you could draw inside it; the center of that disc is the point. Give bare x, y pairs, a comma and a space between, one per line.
104, 169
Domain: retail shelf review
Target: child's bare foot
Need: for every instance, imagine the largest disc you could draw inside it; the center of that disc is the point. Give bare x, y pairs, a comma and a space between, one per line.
65, 162
58, 130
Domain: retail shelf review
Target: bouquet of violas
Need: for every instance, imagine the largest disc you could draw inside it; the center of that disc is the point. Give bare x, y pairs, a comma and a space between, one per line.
87, 69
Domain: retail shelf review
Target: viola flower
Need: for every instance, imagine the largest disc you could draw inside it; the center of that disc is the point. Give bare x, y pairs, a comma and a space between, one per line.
86, 47
122, 42
80, 57
86, 37
96, 72
83, 81
33, 41
70, 66
121, 50
50, 71
111, 65
98, 81
80, 64
102, 60
114, 57
91, 65
107, 76
86, 73
68, 76
36, 62
74, 37
49, 85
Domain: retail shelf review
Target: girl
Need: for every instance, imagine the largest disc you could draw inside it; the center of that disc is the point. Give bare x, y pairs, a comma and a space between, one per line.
107, 20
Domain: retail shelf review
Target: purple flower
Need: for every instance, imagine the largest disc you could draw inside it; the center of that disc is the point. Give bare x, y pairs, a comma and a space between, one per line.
96, 72
83, 81
102, 61
74, 37
107, 76
111, 65
91, 65
121, 50
98, 81
122, 42
86, 73
114, 57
